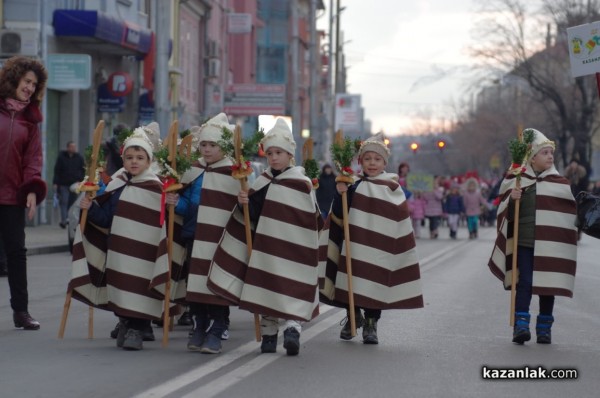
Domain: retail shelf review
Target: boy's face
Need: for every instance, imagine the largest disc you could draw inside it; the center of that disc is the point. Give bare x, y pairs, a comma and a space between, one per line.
135, 161
211, 152
278, 158
372, 163
543, 160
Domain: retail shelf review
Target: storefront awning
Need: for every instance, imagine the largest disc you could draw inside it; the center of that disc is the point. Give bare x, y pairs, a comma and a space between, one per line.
102, 32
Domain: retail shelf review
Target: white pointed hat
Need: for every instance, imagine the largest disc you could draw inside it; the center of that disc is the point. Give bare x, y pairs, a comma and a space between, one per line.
280, 136
539, 141
212, 130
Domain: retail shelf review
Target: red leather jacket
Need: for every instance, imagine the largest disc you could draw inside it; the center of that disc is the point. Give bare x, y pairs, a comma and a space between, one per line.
20, 155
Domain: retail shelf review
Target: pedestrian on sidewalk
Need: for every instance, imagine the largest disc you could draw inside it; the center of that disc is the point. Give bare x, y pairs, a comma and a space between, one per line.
454, 207
68, 169
205, 203
281, 276
474, 203
547, 219
117, 265
385, 267
22, 86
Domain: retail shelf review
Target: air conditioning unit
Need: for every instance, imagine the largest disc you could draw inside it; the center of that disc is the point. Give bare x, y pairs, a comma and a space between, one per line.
214, 67
19, 42
212, 49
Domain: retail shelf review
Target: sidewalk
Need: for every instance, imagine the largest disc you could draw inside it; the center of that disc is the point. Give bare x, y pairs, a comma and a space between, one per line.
45, 239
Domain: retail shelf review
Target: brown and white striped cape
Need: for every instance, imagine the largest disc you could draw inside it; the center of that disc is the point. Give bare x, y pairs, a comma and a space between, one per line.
217, 200
124, 268
555, 247
385, 265
281, 277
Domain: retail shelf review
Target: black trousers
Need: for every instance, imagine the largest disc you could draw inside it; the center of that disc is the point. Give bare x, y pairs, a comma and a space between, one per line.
12, 233
523, 296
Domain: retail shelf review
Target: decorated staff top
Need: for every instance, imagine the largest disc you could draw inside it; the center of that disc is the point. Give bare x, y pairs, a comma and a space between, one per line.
247, 149
172, 162
343, 151
311, 168
520, 148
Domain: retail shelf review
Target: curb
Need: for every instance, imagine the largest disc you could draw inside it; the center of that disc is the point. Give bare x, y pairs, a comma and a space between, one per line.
34, 251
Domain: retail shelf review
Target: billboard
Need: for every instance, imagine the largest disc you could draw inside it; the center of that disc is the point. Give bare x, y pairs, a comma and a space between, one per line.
348, 113
254, 99
584, 49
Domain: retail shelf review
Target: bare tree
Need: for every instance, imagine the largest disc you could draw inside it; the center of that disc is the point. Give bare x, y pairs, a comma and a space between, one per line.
531, 45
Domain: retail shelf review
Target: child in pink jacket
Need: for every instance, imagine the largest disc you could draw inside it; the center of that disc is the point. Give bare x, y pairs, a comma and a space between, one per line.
417, 204
473, 200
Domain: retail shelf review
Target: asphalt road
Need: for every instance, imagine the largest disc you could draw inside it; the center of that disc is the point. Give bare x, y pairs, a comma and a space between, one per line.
438, 351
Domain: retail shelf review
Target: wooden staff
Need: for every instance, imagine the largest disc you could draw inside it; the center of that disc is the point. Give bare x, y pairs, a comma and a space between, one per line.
307, 149
237, 141
513, 279
90, 191
346, 179
172, 145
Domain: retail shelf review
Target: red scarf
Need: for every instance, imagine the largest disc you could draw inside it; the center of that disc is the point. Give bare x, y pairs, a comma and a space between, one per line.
15, 105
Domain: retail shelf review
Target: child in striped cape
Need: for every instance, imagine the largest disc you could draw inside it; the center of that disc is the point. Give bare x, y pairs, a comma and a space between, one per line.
279, 280
206, 204
121, 257
547, 240
385, 267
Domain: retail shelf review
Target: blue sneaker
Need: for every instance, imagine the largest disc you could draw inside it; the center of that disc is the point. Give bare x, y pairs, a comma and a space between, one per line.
198, 335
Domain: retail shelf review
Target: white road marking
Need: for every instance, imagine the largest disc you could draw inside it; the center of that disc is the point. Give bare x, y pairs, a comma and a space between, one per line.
227, 358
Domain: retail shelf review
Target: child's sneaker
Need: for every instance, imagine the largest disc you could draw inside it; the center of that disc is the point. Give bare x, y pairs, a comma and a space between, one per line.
370, 331
196, 339
291, 341
269, 344
121, 331
225, 334
133, 340
148, 333
346, 332
212, 344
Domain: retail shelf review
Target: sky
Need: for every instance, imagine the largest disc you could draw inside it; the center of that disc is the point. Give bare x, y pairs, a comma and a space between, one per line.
408, 59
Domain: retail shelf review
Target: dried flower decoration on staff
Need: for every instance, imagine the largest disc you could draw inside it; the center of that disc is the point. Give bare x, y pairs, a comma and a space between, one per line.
88, 185
311, 168
519, 151
343, 151
183, 164
241, 167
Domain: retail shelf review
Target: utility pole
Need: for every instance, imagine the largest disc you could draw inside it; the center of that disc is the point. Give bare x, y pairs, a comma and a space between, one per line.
294, 78
161, 65
314, 79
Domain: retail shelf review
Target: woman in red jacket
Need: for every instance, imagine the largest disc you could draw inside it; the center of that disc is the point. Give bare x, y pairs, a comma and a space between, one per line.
22, 85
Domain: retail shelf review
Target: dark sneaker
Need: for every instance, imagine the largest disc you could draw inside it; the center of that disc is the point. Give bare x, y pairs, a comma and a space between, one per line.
23, 320
196, 339
185, 319
269, 344
291, 341
370, 331
122, 330
115, 332
346, 332
225, 334
148, 333
212, 344
133, 340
